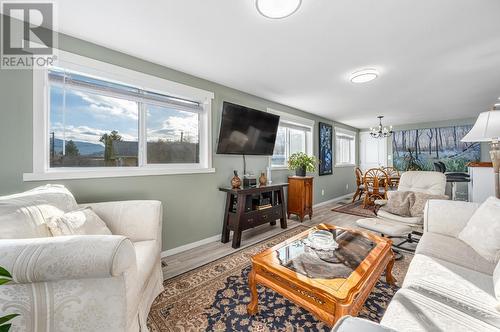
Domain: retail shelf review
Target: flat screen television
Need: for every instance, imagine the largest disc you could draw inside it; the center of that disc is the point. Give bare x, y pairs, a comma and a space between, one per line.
246, 131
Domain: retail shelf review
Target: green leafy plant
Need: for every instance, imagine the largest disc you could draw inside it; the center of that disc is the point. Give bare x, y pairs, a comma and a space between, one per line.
5, 277
300, 160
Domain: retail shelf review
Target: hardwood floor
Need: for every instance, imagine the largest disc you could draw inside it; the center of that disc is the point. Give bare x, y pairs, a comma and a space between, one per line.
191, 259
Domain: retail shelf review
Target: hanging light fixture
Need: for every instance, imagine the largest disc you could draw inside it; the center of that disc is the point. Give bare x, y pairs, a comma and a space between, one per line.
380, 131
277, 8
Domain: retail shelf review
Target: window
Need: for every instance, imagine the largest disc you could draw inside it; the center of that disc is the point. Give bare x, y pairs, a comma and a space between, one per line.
116, 123
294, 135
345, 147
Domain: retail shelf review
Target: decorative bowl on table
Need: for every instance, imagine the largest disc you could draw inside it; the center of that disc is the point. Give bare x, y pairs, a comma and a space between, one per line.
321, 240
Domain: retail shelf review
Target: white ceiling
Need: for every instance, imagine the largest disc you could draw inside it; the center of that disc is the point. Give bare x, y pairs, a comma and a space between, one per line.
439, 60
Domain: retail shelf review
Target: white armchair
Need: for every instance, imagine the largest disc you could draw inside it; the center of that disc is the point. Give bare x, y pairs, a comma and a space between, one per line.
394, 226
432, 183
82, 282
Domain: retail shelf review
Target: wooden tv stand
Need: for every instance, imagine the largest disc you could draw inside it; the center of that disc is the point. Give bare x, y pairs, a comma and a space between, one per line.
241, 212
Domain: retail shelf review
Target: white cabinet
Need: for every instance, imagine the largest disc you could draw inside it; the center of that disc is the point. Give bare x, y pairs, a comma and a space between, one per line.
372, 151
482, 184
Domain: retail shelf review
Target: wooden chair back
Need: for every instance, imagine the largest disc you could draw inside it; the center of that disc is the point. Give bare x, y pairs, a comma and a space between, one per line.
391, 171
375, 178
376, 184
393, 176
359, 176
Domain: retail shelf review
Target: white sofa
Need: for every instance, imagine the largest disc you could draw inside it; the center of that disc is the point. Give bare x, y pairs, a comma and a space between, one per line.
79, 282
448, 287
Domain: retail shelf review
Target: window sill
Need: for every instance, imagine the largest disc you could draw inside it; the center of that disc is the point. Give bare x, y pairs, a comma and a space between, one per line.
345, 165
279, 168
110, 173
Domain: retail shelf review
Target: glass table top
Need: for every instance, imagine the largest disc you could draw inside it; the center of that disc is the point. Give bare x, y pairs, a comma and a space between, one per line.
299, 257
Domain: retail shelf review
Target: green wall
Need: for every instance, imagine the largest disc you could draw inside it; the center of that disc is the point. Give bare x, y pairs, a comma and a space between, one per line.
192, 204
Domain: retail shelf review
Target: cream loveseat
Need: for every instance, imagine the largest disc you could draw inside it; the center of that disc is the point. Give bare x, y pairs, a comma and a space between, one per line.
79, 282
448, 287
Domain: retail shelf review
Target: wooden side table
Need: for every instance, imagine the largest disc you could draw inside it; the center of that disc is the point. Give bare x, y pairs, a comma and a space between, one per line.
300, 196
241, 213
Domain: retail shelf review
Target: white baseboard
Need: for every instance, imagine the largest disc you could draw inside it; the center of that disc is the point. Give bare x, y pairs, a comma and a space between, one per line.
333, 200
189, 246
214, 238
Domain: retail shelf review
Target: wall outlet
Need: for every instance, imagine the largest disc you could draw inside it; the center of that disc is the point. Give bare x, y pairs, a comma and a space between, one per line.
347, 187
322, 192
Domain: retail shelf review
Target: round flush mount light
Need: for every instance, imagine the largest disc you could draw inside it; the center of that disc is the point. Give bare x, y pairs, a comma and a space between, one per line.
277, 8
363, 76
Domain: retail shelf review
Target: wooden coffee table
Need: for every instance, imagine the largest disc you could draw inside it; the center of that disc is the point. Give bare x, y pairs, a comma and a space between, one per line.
330, 284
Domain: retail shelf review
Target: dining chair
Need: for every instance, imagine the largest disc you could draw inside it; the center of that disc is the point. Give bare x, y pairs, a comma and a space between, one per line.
393, 176
376, 185
360, 187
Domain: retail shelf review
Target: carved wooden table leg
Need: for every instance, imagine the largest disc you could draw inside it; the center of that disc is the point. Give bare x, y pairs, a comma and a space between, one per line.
225, 227
388, 271
254, 296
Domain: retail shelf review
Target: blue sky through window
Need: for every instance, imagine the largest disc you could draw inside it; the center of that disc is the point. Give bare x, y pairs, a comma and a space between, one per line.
85, 117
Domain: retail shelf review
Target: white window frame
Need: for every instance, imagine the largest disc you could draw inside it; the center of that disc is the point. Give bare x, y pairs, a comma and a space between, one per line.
342, 131
294, 120
106, 71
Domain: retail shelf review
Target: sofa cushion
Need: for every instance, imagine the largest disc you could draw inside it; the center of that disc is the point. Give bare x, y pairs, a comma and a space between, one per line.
24, 215
83, 221
451, 283
453, 250
482, 232
410, 310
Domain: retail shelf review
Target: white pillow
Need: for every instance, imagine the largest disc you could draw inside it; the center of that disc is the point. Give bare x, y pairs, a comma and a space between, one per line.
496, 283
482, 231
24, 215
79, 222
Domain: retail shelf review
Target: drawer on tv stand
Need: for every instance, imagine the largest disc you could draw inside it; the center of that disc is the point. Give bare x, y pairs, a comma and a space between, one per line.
259, 217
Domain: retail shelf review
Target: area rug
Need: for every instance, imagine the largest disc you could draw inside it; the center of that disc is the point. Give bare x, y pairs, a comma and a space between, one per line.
356, 208
214, 297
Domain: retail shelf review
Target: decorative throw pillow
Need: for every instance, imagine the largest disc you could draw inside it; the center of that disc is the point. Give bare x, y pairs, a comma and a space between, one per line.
417, 209
482, 231
79, 222
399, 203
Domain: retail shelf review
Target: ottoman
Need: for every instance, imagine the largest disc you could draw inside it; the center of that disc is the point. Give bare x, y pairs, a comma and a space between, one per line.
385, 227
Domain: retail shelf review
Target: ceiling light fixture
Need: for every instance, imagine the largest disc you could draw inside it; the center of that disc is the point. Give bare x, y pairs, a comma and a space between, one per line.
276, 9
380, 131
363, 76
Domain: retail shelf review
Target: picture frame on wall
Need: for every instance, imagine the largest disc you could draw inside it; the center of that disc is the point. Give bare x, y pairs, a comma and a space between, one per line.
325, 148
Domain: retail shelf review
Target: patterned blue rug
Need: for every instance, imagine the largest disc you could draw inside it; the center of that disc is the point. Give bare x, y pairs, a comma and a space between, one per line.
228, 312
214, 297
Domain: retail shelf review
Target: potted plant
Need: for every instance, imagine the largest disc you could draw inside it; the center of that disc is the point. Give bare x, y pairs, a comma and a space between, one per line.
5, 326
301, 162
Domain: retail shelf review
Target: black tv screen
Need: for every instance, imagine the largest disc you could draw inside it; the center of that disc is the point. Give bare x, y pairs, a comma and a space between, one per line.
246, 131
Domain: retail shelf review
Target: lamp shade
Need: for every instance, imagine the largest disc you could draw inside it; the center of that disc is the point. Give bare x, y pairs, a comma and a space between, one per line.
486, 128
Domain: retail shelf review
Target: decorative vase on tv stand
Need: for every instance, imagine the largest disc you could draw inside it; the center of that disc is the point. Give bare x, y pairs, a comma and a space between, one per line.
235, 181
301, 163
262, 179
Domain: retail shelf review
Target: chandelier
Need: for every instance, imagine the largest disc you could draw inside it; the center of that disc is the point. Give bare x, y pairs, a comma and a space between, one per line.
380, 131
